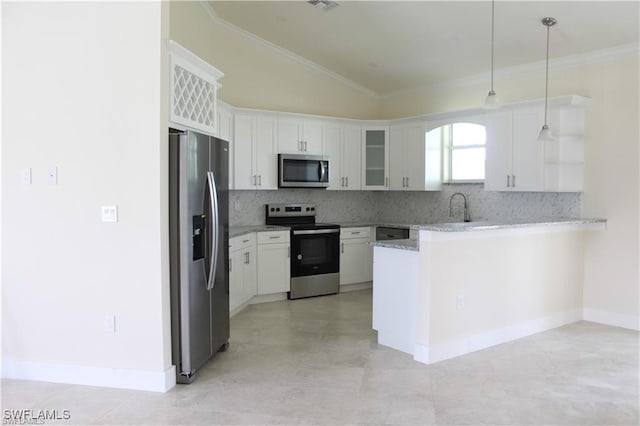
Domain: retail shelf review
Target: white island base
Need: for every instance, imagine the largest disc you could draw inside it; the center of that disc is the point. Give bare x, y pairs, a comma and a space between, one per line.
453, 293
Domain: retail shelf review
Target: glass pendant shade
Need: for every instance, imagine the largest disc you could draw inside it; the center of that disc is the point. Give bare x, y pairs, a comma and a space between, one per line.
545, 134
492, 101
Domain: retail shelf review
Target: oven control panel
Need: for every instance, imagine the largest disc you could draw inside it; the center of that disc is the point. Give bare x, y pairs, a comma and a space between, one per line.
290, 210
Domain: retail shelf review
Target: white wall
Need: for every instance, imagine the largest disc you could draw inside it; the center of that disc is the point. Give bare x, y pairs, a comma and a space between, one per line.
82, 90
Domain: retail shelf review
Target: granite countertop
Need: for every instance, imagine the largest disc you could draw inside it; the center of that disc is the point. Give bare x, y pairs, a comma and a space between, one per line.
414, 245
504, 224
355, 224
408, 244
236, 231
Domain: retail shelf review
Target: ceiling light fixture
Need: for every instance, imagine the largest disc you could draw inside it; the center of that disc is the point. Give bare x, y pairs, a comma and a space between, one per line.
545, 132
323, 4
492, 101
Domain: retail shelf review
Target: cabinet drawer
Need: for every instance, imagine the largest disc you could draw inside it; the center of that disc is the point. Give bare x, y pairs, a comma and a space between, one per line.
270, 237
348, 233
242, 242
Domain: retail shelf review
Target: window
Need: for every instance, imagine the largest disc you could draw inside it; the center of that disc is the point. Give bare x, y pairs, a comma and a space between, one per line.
464, 151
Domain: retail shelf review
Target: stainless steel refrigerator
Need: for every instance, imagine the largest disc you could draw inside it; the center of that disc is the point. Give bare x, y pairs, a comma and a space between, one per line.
199, 249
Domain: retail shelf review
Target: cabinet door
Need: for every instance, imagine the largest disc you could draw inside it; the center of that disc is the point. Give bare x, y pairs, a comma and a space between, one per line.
416, 158
351, 153
312, 137
375, 158
497, 169
243, 158
249, 276
225, 131
289, 136
333, 150
274, 273
356, 261
236, 285
265, 154
398, 149
527, 150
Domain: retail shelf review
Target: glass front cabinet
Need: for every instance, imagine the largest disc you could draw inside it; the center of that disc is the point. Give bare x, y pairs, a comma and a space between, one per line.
375, 158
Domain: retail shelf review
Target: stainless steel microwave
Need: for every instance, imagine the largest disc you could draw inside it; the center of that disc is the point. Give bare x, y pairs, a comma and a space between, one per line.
303, 171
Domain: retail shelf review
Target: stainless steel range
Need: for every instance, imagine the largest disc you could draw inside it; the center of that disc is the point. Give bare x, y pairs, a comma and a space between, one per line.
315, 249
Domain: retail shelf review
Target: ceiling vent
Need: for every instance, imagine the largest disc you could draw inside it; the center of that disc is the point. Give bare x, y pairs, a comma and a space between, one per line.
323, 4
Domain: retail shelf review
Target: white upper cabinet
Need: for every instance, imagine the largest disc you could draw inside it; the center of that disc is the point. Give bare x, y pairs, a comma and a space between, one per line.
342, 147
255, 165
375, 157
414, 159
225, 131
299, 136
513, 156
517, 161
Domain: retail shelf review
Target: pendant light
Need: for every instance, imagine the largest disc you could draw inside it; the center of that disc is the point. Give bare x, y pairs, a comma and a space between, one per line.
545, 132
492, 101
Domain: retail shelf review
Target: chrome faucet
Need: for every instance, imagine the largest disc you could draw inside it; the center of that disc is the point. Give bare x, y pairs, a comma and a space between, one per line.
467, 217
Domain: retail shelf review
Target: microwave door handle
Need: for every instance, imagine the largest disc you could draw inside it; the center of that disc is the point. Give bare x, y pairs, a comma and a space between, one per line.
323, 171
215, 230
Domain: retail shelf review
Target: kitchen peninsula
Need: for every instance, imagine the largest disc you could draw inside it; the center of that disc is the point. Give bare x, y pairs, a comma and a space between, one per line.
461, 287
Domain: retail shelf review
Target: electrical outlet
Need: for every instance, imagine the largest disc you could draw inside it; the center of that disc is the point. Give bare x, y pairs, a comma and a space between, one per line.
52, 175
460, 302
110, 323
109, 213
25, 176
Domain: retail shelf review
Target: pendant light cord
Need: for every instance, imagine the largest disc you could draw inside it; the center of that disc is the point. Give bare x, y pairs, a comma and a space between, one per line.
546, 86
492, 39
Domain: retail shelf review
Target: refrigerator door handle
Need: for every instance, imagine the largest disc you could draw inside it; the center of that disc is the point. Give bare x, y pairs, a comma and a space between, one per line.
215, 231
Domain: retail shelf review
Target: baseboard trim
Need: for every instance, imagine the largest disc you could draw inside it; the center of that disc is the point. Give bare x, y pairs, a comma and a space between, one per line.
456, 347
611, 318
355, 287
155, 381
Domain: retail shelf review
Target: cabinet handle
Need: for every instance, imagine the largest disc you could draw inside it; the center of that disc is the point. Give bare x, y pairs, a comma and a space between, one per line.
245, 241
341, 247
347, 181
305, 146
246, 258
288, 251
508, 181
513, 180
355, 233
407, 181
230, 265
342, 181
274, 237
259, 180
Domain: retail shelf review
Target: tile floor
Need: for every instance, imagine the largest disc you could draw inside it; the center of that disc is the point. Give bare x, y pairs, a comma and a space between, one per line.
316, 361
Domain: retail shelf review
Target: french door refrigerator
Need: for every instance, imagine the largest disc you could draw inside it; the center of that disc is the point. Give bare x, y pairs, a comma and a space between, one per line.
199, 249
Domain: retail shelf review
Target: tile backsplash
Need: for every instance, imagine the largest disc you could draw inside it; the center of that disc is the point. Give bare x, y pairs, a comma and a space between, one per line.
247, 207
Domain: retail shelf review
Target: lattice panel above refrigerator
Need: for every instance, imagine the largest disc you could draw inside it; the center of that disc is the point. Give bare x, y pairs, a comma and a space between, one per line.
193, 90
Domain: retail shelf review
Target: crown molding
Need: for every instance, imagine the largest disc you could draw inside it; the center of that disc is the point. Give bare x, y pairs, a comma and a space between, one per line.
284, 52
593, 57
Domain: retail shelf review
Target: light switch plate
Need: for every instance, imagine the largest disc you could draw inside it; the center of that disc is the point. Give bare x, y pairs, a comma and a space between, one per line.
109, 213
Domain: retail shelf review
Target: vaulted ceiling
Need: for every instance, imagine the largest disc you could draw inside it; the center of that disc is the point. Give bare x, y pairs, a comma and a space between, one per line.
393, 46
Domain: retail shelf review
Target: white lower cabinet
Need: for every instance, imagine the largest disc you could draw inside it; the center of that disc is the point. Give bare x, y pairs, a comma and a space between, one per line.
242, 271
274, 273
356, 255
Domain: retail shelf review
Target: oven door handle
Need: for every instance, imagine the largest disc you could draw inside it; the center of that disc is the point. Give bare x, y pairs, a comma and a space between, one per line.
316, 231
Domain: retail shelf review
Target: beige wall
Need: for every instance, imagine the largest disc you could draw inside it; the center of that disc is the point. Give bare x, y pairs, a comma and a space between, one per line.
257, 77
82, 90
